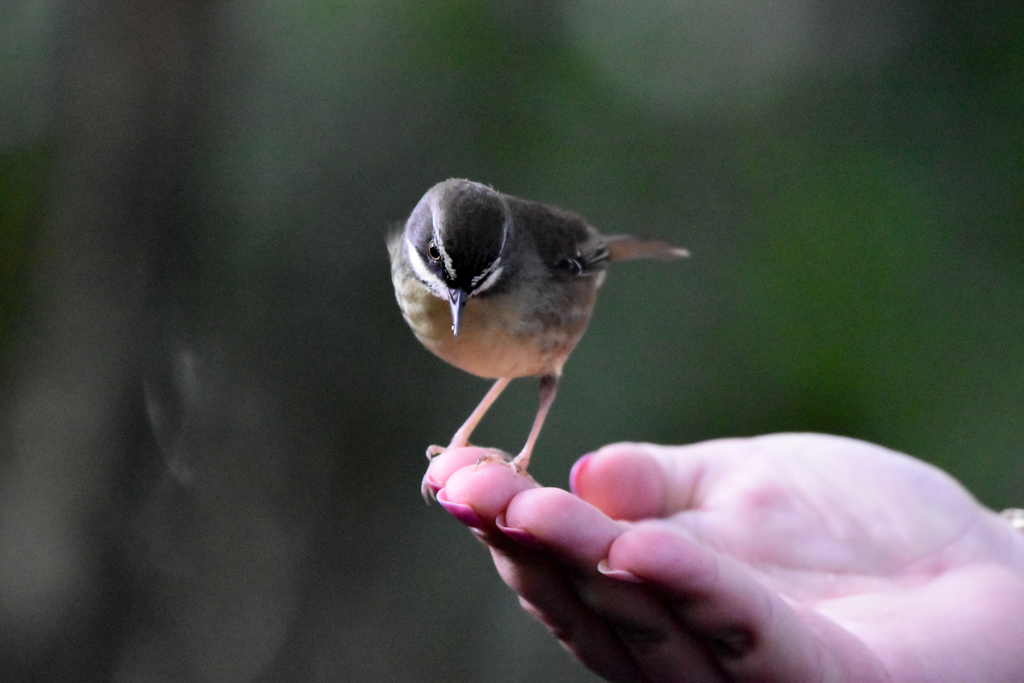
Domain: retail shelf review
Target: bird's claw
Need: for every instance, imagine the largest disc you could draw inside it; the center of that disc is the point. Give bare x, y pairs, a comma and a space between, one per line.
427, 490
502, 458
494, 455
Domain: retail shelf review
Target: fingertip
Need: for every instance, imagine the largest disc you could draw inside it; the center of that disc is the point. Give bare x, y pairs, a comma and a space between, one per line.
460, 511
576, 472
445, 464
486, 486
541, 506
624, 481
564, 524
664, 554
520, 536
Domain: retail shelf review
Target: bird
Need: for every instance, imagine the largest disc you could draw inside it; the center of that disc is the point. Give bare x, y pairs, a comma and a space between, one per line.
503, 287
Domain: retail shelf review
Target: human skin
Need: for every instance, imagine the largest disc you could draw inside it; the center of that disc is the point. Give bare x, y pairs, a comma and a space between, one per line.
788, 557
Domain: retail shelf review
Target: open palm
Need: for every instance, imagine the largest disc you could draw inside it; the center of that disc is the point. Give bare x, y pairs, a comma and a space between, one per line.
791, 557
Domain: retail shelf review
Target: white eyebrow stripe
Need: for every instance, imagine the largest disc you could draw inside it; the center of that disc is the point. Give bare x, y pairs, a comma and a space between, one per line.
486, 279
496, 263
490, 276
436, 217
506, 226
427, 276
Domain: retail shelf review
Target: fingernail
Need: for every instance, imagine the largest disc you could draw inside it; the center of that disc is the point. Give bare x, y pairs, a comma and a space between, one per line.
576, 471
460, 511
521, 536
617, 574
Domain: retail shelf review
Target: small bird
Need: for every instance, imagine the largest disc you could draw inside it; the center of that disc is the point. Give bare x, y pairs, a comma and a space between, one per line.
502, 287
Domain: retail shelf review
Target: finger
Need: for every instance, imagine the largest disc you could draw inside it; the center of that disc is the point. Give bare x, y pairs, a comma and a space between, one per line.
541, 583
445, 464
571, 597
477, 494
547, 593
529, 567
658, 642
569, 528
624, 481
574, 537
753, 633
632, 481
487, 486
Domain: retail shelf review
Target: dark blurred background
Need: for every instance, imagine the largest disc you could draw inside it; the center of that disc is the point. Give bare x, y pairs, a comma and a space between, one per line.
213, 418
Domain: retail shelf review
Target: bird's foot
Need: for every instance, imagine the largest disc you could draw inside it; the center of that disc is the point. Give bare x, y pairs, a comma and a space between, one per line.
520, 463
428, 490
428, 487
435, 450
494, 455
502, 458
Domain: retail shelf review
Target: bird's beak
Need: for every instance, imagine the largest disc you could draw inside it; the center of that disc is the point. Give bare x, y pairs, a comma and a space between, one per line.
457, 298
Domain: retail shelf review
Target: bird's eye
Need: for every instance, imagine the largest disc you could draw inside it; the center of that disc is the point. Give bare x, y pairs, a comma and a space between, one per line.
433, 252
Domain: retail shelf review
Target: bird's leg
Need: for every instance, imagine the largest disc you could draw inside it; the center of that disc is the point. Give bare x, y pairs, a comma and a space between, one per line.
548, 388
461, 438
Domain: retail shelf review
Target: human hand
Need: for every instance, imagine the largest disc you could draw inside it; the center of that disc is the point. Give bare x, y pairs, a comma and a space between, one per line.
791, 557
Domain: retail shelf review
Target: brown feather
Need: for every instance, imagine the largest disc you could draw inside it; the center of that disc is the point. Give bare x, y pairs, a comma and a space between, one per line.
626, 247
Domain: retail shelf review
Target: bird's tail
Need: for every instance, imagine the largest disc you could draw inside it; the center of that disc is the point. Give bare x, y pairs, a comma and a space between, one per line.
627, 247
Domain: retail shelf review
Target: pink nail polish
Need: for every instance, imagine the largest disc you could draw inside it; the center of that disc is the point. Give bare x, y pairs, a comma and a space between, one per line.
576, 471
617, 574
460, 511
521, 536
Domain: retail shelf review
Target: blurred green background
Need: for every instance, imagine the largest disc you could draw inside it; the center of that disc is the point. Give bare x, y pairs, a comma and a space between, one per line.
214, 417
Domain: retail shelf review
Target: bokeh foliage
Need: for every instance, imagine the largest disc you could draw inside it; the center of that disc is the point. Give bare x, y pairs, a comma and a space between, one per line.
213, 414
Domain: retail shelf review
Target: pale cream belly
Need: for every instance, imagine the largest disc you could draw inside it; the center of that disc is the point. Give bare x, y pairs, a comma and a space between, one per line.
496, 339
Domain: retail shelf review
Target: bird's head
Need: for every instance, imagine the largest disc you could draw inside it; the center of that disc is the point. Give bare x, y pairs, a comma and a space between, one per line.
456, 238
